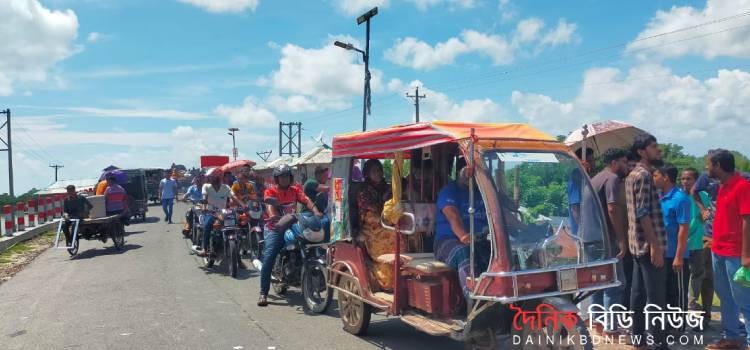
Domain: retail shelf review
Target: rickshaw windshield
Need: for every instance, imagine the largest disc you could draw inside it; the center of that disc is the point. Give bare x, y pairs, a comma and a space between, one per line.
550, 215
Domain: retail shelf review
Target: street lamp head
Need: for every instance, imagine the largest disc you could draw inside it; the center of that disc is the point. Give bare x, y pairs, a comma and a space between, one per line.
346, 46
367, 15
233, 129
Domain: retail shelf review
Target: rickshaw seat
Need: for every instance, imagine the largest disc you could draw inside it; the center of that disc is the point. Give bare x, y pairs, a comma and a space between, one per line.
421, 262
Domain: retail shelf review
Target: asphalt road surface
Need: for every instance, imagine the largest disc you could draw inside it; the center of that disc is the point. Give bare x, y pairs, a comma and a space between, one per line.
156, 295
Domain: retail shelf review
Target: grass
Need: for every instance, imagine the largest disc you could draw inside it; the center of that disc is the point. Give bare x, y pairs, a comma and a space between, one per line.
26, 246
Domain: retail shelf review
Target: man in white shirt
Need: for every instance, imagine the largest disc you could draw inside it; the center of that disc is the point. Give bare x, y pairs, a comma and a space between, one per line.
215, 195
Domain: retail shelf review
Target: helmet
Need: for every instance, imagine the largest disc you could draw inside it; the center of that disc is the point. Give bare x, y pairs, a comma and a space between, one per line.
282, 170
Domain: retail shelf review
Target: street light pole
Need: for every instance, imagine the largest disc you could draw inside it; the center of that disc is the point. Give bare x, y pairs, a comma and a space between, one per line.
367, 99
234, 145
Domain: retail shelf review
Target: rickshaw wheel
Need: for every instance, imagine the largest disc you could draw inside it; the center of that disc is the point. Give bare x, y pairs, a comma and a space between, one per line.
118, 236
487, 341
73, 251
355, 313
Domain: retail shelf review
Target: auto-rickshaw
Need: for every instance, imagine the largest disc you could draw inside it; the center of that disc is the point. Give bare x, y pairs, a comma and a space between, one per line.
547, 254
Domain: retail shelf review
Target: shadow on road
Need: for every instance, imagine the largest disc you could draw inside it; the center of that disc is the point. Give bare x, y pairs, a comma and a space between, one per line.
88, 254
293, 298
150, 220
133, 233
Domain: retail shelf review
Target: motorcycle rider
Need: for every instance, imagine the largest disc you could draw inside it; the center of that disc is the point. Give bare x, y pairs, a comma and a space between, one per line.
243, 188
194, 194
288, 196
215, 197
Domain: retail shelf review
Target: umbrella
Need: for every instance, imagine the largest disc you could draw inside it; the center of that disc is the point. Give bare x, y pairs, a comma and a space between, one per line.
110, 168
603, 136
231, 166
120, 176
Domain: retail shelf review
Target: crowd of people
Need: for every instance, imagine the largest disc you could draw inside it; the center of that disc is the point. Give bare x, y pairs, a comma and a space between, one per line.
681, 236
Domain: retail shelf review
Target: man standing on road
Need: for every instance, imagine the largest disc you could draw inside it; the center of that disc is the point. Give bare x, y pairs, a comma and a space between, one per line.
675, 206
167, 193
695, 240
646, 238
730, 248
607, 184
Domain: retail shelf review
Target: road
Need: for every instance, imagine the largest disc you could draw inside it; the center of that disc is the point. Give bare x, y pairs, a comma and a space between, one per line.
156, 295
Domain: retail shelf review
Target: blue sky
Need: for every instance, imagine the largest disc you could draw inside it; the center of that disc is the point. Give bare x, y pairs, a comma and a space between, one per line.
146, 83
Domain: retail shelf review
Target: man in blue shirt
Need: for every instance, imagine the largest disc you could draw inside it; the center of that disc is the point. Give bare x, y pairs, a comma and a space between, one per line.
676, 209
194, 194
452, 236
167, 193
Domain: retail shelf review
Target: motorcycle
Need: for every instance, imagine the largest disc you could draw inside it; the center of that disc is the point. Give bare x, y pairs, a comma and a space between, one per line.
196, 229
224, 241
302, 262
252, 243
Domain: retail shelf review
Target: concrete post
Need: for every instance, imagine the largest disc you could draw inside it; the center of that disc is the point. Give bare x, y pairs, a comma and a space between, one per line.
20, 216
58, 206
32, 213
49, 209
41, 214
8, 217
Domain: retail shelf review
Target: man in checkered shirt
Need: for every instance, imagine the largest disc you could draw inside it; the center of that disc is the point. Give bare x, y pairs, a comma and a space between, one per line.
647, 238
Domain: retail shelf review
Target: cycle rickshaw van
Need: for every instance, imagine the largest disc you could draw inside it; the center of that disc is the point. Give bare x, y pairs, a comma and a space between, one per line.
542, 258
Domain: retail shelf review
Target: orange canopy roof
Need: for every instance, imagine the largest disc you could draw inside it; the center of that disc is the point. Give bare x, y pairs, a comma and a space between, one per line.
411, 136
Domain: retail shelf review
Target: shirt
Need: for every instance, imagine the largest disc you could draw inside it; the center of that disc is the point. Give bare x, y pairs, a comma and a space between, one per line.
194, 193
697, 226
732, 203
641, 199
607, 186
287, 199
217, 199
453, 195
168, 188
77, 207
319, 198
115, 198
675, 206
243, 192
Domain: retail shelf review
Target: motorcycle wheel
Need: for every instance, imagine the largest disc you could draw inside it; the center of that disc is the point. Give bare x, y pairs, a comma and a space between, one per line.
277, 276
118, 236
316, 293
255, 248
209, 259
233, 262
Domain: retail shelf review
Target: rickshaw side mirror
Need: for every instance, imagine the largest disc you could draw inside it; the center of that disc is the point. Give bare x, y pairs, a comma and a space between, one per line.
410, 231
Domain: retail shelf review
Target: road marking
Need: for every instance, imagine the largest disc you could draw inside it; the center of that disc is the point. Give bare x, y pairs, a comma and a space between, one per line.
238, 347
126, 333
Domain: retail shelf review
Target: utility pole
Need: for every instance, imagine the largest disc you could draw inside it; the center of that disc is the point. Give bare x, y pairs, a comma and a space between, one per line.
56, 167
264, 155
416, 98
8, 148
234, 145
290, 140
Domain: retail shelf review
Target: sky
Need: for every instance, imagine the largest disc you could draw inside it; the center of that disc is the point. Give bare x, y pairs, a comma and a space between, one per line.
145, 83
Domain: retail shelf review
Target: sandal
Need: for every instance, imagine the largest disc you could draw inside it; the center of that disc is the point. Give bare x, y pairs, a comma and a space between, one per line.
723, 344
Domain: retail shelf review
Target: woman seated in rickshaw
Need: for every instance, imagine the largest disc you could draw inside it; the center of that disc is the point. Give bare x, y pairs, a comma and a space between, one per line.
378, 241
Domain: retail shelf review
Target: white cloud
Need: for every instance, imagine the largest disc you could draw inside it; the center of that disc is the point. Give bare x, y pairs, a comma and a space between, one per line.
564, 33
728, 40
675, 108
507, 10
34, 40
135, 113
358, 7
417, 54
293, 104
250, 113
325, 76
424, 5
414, 53
219, 6
93, 37
528, 30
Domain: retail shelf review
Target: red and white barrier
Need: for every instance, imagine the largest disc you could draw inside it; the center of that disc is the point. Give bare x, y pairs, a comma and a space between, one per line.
32, 213
8, 220
49, 209
41, 214
20, 216
58, 206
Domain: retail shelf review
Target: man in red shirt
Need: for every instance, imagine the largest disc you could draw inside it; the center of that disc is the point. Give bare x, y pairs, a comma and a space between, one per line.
287, 195
731, 248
